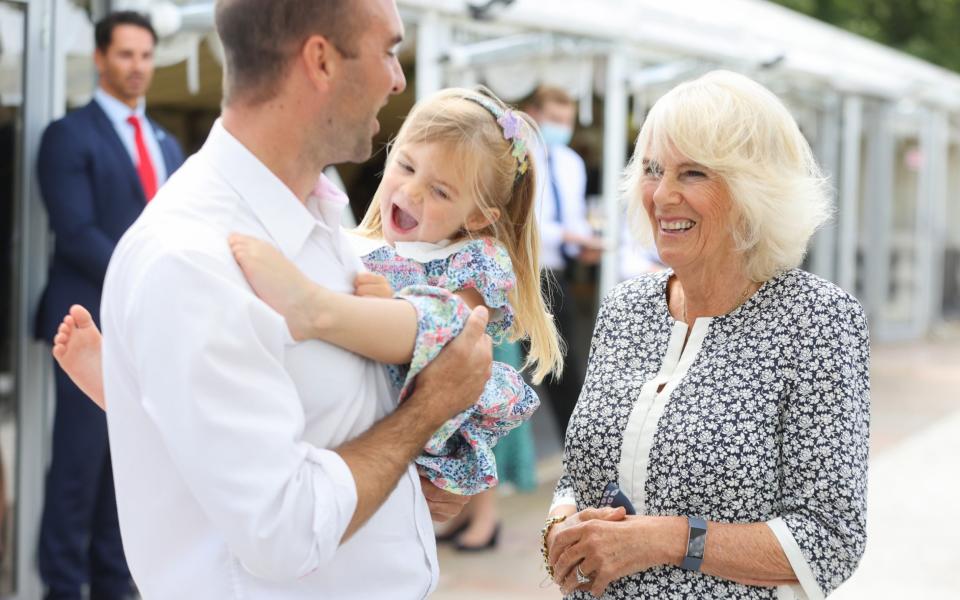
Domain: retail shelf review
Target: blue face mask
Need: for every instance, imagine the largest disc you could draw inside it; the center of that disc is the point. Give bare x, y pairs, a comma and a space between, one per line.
555, 134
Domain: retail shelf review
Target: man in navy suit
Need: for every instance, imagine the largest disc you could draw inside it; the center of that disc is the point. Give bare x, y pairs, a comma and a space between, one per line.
98, 168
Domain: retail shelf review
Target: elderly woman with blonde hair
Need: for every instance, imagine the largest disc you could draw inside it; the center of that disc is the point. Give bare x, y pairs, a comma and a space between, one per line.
727, 398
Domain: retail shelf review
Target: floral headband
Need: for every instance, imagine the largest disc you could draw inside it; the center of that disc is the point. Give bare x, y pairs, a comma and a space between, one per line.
512, 125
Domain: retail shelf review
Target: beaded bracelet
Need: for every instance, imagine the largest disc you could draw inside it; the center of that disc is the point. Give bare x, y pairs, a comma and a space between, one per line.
551, 521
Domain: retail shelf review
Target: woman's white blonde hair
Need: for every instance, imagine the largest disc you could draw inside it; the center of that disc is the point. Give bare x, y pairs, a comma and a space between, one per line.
737, 128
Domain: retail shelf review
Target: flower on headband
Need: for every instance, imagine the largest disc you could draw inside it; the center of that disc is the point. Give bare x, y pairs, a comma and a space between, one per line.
520, 153
510, 123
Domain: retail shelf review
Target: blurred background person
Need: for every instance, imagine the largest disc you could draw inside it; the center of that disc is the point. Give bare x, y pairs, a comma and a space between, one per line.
477, 527
565, 235
97, 167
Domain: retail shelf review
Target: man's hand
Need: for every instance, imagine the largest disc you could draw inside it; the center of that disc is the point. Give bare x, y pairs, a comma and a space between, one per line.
590, 256
454, 380
443, 505
591, 246
372, 285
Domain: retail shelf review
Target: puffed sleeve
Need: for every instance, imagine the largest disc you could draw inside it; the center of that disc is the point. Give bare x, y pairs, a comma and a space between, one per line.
484, 265
825, 424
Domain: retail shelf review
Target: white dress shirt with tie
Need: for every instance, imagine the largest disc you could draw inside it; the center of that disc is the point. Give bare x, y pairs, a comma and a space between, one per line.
570, 180
220, 424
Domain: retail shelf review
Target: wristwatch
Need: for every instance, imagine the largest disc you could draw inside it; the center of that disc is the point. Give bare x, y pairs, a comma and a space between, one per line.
696, 541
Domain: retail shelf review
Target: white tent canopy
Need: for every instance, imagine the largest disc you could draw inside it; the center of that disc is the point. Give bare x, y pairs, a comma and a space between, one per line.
744, 31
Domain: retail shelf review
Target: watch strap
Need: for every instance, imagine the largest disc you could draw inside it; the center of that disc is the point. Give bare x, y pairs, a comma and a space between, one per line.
696, 542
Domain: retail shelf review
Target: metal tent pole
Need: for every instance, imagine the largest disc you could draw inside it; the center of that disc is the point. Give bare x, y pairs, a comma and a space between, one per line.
849, 205
431, 32
881, 167
828, 152
614, 159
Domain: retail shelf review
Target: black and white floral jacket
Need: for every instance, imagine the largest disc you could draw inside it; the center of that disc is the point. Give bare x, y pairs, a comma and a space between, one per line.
763, 417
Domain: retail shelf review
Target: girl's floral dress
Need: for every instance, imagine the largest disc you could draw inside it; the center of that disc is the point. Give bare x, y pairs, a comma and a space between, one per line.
459, 456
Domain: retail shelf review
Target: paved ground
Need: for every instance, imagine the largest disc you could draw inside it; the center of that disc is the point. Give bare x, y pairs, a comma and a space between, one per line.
913, 549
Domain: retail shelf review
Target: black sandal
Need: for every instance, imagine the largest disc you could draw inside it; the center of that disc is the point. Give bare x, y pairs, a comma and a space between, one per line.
451, 536
490, 544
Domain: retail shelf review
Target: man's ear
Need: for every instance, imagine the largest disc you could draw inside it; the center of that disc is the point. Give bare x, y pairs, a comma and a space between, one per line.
100, 61
478, 220
320, 59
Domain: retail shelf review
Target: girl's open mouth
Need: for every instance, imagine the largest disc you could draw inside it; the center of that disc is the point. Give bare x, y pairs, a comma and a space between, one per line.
402, 220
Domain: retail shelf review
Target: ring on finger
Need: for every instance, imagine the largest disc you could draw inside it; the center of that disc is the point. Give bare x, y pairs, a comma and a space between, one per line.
581, 578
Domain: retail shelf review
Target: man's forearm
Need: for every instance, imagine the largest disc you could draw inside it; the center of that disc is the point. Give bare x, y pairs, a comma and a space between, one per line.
378, 458
450, 384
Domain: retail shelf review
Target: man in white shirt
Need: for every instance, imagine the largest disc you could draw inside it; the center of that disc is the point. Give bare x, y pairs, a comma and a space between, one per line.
565, 234
247, 465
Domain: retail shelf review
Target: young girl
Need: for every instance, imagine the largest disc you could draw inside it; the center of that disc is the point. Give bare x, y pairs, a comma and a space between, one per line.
451, 227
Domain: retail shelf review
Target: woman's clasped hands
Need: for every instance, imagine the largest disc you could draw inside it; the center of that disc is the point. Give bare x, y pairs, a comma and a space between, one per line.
607, 544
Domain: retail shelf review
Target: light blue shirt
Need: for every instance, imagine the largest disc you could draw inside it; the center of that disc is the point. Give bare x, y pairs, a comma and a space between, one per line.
571, 182
118, 112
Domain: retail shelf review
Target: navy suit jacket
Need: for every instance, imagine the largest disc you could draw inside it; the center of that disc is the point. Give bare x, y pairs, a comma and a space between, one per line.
93, 194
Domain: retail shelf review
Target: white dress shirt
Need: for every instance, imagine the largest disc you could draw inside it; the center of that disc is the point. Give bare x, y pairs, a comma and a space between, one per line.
219, 422
118, 113
571, 182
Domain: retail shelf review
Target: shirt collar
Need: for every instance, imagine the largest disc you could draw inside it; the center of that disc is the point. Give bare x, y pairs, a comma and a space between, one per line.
282, 214
327, 202
363, 245
423, 252
117, 111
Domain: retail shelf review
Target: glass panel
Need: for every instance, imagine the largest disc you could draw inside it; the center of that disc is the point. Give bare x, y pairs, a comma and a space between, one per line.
12, 21
901, 305
951, 283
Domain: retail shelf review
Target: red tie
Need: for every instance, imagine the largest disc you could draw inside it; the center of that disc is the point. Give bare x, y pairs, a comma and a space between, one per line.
148, 176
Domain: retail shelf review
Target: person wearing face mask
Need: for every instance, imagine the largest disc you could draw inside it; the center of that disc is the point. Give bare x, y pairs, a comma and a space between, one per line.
565, 235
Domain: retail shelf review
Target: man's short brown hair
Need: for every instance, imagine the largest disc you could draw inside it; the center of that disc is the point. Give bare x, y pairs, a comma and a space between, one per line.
260, 36
547, 94
103, 33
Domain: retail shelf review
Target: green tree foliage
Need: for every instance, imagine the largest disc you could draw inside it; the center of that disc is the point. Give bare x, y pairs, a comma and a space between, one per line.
929, 29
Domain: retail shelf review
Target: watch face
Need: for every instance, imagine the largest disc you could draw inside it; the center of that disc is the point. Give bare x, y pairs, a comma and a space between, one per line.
698, 539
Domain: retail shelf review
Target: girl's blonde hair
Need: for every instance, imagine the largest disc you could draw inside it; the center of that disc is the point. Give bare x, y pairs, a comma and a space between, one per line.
738, 128
477, 146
